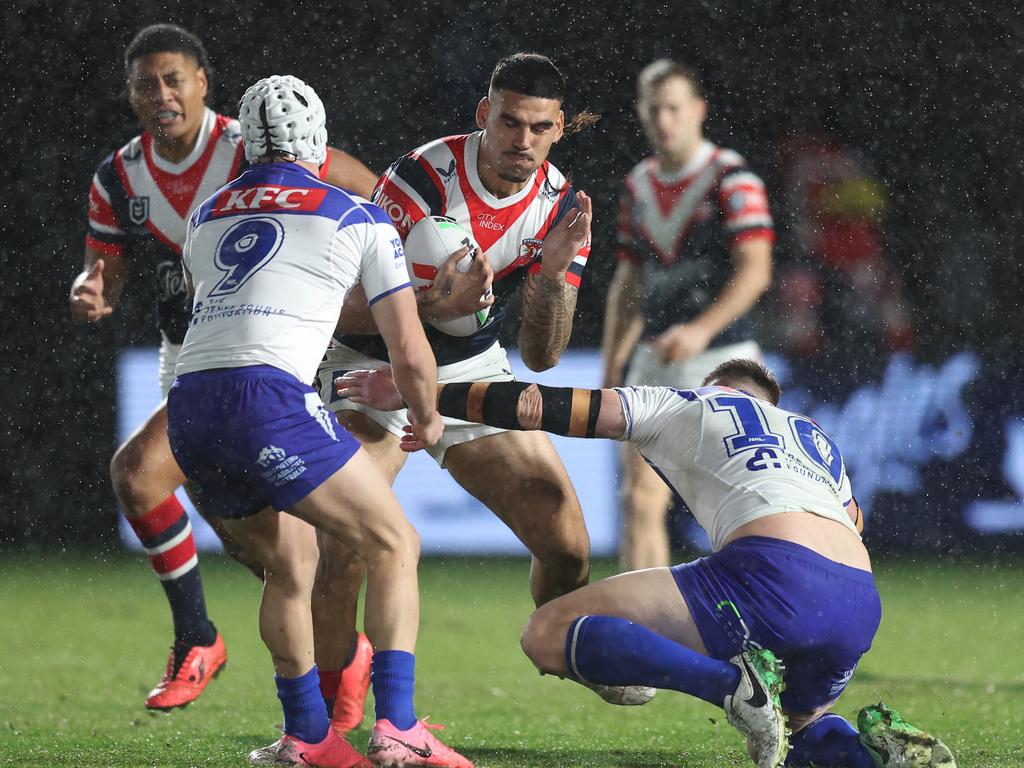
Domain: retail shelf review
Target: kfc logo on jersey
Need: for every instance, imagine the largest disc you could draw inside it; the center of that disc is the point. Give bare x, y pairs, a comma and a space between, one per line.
138, 209
489, 221
268, 198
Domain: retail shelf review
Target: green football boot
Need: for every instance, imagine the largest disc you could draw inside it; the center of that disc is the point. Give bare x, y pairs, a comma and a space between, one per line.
895, 743
754, 708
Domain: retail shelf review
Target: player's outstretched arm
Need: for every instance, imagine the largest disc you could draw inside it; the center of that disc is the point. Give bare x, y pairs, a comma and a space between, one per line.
97, 288
507, 404
548, 300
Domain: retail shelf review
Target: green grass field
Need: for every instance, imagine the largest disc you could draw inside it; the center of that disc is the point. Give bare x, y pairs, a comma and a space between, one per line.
85, 638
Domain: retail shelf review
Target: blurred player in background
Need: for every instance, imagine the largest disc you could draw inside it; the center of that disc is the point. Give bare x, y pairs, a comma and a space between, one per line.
139, 203
789, 578
534, 230
271, 257
695, 240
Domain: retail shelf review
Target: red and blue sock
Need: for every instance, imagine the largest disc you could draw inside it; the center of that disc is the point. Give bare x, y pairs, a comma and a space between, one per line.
393, 679
166, 536
611, 651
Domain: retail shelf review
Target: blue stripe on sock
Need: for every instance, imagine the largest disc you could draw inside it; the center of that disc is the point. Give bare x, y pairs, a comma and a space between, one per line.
612, 651
393, 675
305, 716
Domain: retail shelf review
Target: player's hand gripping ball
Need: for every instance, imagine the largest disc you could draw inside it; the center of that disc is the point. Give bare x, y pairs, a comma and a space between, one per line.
431, 241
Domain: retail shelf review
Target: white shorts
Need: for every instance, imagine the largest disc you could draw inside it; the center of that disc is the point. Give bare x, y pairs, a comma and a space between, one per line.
647, 369
168, 359
490, 365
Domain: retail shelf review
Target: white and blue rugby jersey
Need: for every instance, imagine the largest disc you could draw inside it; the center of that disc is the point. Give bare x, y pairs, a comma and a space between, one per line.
272, 257
733, 458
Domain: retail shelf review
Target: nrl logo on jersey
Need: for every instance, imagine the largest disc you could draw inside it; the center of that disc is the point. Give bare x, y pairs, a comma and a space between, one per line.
138, 209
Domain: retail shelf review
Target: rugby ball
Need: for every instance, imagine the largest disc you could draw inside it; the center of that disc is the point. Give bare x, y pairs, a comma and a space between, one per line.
429, 244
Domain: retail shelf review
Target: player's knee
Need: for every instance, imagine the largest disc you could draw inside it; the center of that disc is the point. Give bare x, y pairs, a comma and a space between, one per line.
543, 639
126, 473
289, 574
394, 538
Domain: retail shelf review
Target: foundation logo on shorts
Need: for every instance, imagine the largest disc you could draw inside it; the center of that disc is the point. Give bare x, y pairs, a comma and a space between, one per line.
279, 466
270, 455
315, 408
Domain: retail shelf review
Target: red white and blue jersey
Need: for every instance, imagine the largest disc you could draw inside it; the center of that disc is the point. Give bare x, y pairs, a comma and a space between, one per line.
140, 203
680, 229
272, 257
441, 179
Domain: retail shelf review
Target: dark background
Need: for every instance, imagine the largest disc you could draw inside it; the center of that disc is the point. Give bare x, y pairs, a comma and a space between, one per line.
928, 95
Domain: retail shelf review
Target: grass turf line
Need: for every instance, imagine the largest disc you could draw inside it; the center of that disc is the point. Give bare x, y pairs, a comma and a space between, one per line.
86, 637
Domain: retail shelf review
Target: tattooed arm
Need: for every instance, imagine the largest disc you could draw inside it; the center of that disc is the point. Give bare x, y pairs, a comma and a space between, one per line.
549, 302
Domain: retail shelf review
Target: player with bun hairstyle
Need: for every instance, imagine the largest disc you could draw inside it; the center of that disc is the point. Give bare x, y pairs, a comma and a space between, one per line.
533, 229
789, 580
272, 256
139, 203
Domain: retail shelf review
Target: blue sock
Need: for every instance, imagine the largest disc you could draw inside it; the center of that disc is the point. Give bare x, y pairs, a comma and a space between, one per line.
828, 742
610, 651
393, 676
305, 716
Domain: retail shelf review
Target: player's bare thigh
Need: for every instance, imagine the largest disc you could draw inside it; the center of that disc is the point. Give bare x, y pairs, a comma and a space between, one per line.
143, 470
520, 477
384, 448
650, 598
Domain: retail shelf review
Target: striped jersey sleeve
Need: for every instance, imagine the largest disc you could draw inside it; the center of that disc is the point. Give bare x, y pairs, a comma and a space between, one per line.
104, 231
744, 206
408, 191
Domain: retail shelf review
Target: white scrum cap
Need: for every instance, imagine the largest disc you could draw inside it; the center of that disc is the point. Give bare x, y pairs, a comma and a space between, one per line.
282, 114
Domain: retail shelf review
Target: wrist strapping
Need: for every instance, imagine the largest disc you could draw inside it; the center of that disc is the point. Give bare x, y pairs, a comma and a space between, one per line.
564, 411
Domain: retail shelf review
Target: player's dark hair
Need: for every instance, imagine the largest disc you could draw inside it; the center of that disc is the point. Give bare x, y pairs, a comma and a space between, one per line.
531, 74
739, 372
534, 74
660, 70
167, 38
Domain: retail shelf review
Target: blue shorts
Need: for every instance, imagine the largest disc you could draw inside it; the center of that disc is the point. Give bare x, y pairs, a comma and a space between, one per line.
253, 437
818, 616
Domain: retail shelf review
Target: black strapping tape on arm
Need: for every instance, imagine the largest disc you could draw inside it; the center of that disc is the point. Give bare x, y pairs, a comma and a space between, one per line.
557, 413
595, 411
499, 407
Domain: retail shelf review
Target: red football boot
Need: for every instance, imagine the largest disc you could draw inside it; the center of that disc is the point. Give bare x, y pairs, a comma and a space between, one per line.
355, 682
202, 663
